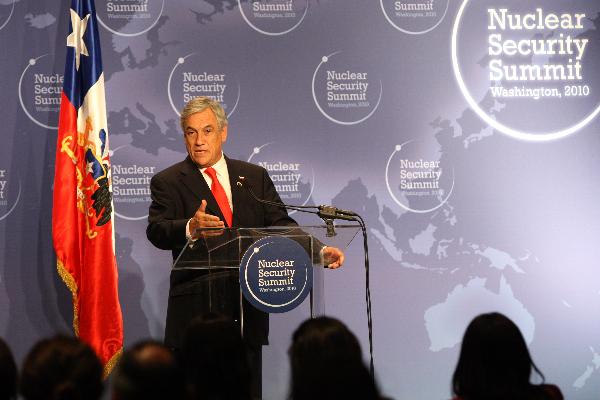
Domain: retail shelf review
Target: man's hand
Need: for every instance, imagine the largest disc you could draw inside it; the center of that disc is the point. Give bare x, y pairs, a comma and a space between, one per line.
333, 257
203, 220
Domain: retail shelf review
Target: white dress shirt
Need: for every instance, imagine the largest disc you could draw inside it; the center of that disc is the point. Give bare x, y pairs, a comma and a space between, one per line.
222, 175
220, 168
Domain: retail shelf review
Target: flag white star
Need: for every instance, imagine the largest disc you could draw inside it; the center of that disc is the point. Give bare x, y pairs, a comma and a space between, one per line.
75, 39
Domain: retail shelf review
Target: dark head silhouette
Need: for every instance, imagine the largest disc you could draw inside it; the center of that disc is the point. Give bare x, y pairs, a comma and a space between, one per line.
494, 362
61, 368
326, 363
148, 371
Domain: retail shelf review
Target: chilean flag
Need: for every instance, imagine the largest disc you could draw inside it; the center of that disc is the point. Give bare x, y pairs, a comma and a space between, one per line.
82, 213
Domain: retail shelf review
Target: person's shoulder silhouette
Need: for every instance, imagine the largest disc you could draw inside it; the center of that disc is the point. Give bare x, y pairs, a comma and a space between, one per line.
8, 373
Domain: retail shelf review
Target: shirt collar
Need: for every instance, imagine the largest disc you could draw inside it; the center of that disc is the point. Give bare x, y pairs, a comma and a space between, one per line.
220, 166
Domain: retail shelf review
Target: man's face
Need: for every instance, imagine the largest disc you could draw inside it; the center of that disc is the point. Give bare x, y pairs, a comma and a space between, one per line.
203, 139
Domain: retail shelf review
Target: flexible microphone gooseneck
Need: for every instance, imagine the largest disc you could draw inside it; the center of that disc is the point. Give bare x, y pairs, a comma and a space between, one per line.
306, 209
325, 212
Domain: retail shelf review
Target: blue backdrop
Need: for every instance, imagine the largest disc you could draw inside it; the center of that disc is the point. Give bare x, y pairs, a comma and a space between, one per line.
465, 133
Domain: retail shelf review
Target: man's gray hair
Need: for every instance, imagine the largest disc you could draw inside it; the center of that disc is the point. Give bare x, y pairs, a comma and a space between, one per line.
199, 104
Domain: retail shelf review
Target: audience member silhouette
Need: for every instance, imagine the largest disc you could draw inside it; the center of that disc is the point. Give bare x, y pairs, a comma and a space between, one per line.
495, 364
326, 363
214, 358
8, 373
148, 371
61, 368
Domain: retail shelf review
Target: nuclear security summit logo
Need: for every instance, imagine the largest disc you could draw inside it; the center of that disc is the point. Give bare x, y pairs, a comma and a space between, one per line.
273, 17
40, 88
414, 17
417, 179
276, 274
131, 186
129, 17
292, 175
346, 88
194, 75
530, 70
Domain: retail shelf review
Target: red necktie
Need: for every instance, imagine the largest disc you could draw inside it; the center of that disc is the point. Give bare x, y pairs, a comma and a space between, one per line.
220, 196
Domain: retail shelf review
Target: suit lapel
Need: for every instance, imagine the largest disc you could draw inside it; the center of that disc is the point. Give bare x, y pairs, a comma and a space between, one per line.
192, 178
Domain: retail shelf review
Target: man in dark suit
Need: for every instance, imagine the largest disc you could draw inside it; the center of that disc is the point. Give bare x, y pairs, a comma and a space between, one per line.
201, 192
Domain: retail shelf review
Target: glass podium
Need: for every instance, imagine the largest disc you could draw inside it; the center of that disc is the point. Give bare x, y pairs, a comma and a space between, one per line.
213, 262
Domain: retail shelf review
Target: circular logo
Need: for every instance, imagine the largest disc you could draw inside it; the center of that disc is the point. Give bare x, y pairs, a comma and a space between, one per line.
10, 193
129, 17
273, 17
292, 176
529, 69
416, 178
40, 89
346, 91
192, 77
10, 13
131, 183
276, 274
414, 17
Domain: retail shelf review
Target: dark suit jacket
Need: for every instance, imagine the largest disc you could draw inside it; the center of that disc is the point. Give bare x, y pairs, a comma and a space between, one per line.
176, 195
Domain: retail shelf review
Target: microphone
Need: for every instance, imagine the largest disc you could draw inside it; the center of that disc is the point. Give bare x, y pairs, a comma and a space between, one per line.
335, 212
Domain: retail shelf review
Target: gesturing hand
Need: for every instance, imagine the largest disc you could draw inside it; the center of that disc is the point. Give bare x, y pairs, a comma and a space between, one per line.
203, 220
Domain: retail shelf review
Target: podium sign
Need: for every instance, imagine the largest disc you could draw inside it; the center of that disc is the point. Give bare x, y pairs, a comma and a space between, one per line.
276, 274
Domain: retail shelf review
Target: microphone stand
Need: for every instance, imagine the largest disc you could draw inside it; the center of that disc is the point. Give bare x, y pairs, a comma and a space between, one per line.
330, 213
